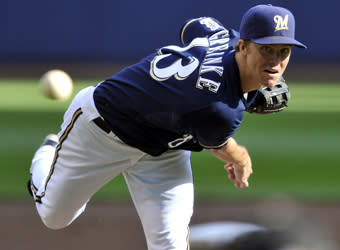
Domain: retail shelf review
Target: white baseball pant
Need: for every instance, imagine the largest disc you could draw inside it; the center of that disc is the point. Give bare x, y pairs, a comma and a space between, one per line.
87, 158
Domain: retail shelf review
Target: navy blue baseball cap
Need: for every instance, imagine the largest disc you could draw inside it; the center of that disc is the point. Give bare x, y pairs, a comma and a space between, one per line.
268, 24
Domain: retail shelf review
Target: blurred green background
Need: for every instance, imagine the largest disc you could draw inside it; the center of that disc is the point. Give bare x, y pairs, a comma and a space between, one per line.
295, 153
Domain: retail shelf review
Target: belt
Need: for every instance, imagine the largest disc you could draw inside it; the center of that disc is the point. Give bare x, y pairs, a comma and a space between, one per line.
102, 124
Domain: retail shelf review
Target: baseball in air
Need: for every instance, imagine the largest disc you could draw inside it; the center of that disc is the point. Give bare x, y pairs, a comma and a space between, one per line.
56, 84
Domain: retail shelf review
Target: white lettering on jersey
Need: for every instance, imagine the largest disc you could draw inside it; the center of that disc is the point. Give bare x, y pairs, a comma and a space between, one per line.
197, 42
210, 23
176, 68
214, 54
209, 68
218, 48
210, 84
212, 62
179, 141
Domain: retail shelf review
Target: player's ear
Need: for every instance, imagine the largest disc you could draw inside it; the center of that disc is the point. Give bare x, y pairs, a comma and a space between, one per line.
242, 46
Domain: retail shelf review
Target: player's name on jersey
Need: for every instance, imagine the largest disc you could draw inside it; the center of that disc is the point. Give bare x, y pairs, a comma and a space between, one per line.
218, 44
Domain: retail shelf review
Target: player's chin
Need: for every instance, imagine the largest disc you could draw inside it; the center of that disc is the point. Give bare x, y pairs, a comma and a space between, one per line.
271, 80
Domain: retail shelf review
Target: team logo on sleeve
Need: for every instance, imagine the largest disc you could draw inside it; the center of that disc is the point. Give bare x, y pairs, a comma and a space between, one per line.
210, 23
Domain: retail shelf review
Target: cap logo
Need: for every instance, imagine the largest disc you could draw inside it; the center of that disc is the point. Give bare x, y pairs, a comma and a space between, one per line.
281, 23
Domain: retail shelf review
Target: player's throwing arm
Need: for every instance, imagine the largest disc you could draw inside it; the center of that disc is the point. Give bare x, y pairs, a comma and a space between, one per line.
239, 165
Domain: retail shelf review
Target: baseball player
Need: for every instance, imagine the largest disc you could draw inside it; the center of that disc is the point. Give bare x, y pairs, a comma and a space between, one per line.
144, 122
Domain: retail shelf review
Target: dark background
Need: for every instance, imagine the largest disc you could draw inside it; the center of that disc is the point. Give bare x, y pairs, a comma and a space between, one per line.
98, 37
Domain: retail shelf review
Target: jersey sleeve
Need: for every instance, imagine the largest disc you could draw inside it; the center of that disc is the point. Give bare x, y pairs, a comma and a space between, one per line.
199, 27
202, 27
251, 97
214, 125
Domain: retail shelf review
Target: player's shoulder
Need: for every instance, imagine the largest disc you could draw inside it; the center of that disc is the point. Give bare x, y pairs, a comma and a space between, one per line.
202, 27
199, 27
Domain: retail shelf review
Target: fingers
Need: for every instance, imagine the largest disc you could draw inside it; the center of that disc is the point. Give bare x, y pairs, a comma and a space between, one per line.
230, 169
241, 185
239, 175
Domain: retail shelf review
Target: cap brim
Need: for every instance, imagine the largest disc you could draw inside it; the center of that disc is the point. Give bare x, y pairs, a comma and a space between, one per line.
278, 40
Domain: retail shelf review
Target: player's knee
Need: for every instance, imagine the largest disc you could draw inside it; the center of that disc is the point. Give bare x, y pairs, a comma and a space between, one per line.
54, 223
53, 219
58, 217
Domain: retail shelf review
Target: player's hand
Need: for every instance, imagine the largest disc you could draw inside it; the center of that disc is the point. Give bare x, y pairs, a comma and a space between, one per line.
239, 175
239, 165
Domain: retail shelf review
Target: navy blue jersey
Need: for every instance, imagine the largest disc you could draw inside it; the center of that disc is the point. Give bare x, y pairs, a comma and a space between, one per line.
180, 97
